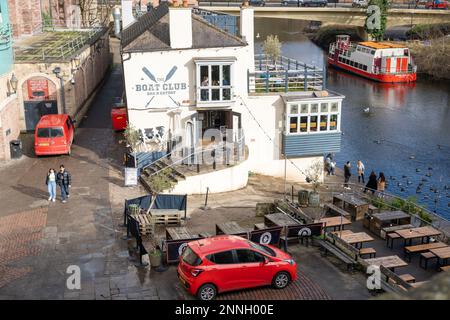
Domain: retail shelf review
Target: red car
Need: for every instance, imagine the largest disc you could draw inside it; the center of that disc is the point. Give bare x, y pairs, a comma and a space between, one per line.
224, 263
54, 135
436, 4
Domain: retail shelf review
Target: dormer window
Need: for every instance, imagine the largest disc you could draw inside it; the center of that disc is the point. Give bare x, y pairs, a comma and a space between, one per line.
214, 81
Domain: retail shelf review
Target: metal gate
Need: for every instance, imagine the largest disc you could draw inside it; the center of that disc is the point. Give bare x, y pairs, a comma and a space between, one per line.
34, 110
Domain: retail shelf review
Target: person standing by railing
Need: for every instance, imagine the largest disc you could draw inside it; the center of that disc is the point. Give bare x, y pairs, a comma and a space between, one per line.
347, 174
372, 183
360, 167
381, 185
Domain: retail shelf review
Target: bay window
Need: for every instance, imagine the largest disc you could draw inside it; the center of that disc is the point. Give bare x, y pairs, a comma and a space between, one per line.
314, 117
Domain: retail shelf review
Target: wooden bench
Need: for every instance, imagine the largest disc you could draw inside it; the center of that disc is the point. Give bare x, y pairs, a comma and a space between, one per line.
328, 247
393, 278
425, 257
424, 247
444, 268
370, 251
418, 284
329, 207
373, 209
390, 237
205, 235
407, 277
260, 226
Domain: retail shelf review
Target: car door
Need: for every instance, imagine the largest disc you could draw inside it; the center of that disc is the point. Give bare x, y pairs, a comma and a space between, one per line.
224, 272
253, 271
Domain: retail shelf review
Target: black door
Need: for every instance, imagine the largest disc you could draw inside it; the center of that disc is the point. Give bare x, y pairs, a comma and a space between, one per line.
34, 110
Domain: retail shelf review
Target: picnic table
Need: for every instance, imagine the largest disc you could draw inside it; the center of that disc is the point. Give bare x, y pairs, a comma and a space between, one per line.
422, 232
357, 207
280, 219
378, 221
230, 227
179, 233
355, 238
443, 254
387, 230
389, 262
335, 222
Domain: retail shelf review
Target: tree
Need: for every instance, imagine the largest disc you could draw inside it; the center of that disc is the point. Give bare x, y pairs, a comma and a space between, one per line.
95, 12
375, 24
159, 182
133, 138
314, 174
272, 48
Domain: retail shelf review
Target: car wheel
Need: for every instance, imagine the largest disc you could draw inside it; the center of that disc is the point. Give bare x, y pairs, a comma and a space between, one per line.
207, 292
281, 280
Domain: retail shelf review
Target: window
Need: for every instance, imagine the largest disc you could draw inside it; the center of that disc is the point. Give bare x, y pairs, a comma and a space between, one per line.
56, 132
214, 82
43, 133
312, 118
313, 123
190, 257
323, 122
293, 124
249, 256
225, 257
262, 248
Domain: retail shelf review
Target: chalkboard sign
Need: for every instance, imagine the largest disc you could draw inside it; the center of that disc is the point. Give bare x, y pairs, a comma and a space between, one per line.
131, 176
175, 248
266, 236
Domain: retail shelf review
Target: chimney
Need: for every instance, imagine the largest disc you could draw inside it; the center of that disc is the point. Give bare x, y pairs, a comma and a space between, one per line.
127, 13
247, 32
180, 23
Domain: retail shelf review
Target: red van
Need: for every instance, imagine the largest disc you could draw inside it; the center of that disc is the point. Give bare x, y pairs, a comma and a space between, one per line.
54, 135
119, 114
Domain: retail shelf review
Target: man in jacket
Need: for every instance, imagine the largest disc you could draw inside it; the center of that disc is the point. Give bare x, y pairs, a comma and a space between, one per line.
63, 179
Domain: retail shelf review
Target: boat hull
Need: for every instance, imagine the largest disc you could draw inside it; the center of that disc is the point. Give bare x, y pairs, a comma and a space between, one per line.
385, 78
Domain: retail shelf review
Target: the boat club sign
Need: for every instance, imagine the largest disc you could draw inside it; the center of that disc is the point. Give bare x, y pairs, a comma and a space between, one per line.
153, 85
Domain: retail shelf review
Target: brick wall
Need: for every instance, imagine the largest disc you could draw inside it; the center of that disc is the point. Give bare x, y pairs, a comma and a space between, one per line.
9, 125
25, 16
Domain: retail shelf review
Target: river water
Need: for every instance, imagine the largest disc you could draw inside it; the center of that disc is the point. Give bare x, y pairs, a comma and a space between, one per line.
407, 136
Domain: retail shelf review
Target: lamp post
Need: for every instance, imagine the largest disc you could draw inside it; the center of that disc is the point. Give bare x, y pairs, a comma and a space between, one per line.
57, 72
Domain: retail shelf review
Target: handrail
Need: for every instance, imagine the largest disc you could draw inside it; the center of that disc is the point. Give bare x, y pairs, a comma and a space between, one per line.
219, 145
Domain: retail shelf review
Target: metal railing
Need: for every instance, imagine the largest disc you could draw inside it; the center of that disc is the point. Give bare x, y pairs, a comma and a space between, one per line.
387, 201
284, 75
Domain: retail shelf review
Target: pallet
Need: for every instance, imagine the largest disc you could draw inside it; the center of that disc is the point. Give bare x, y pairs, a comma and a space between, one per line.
146, 226
166, 217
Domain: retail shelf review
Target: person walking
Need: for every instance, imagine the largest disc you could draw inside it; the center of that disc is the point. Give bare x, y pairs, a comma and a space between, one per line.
63, 179
50, 181
333, 167
360, 167
372, 183
381, 185
347, 174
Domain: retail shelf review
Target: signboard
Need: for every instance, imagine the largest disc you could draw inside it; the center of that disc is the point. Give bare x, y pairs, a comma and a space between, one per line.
38, 89
131, 176
266, 236
305, 230
175, 248
156, 85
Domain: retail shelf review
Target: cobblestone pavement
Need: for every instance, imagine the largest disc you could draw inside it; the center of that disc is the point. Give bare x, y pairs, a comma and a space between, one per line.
301, 289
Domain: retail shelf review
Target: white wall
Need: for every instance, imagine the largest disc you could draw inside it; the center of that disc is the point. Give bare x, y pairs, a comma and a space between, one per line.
229, 179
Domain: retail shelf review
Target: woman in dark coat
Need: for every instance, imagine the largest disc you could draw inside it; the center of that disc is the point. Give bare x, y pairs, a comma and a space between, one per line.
372, 183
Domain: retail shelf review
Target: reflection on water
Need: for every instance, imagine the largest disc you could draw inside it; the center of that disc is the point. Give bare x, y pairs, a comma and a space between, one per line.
407, 133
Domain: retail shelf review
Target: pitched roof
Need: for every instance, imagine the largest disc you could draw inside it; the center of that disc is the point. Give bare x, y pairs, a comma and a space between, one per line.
151, 32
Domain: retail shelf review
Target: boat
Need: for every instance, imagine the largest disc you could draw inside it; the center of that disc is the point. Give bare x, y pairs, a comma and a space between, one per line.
380, 61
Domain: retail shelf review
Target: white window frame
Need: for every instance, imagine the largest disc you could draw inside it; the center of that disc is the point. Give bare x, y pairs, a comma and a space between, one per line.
319, 113
210, 87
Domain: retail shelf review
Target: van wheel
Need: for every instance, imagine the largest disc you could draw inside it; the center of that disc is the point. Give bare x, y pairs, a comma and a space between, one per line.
207, 292
281, 280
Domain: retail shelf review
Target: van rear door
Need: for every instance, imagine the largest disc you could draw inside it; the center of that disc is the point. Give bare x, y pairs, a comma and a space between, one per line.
43, 139
58, 140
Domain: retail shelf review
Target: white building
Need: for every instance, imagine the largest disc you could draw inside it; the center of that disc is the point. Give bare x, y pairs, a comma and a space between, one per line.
187, 75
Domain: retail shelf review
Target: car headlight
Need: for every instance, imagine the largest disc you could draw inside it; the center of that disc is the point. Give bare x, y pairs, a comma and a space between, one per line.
290, 261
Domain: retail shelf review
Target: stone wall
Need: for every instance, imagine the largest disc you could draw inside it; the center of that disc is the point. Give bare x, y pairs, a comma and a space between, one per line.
25, 16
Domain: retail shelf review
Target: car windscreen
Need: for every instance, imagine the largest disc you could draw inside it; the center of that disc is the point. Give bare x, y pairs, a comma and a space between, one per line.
56, 132
190, 257
263, 248
43, 133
